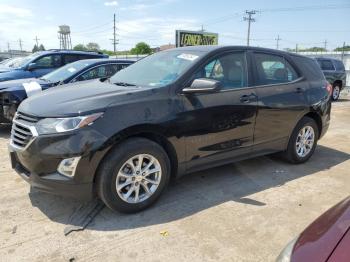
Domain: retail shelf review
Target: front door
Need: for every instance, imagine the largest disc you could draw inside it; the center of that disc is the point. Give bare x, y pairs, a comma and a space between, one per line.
220, 126
46, 64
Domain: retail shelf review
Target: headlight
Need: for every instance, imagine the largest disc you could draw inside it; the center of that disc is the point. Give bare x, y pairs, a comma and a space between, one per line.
286, 254
60, 125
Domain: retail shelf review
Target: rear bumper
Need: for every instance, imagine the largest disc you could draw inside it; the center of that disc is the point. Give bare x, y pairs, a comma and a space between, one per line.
54, 183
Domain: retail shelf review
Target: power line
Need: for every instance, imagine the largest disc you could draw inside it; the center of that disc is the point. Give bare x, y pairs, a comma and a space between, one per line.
250, 20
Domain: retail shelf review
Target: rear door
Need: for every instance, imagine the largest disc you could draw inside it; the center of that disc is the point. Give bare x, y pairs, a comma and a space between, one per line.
219, 126
281, 100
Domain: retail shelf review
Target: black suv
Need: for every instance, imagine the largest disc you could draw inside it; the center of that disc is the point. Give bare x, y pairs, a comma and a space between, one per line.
172, 113
335, 73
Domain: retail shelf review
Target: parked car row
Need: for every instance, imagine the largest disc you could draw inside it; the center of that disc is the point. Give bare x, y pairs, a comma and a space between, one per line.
13, 92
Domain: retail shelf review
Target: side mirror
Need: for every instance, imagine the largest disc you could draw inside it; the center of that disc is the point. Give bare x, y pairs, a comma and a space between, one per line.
31, 66
203, 85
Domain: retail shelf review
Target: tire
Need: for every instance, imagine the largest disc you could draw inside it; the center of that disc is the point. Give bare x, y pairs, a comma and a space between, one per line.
119, 168
335, 92
294, 154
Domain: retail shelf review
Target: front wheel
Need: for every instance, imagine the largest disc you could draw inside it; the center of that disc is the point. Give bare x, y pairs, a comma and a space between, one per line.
335, 93
133, 175
303, 141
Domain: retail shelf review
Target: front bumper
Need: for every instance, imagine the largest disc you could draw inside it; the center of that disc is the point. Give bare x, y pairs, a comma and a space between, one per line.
37, 164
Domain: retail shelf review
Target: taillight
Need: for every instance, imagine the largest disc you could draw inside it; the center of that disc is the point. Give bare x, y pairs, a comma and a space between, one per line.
329, 88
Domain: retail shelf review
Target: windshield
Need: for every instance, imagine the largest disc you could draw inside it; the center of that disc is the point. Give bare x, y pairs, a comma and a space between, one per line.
66, 71
11, 61
157, 70
23, 60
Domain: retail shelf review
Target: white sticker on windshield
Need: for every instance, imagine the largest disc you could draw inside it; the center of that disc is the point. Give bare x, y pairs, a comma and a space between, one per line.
32, 88
189, 57
72, 69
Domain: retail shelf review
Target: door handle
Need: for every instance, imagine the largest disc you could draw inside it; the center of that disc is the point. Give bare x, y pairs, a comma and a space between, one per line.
299, 90
248, 98
244, 99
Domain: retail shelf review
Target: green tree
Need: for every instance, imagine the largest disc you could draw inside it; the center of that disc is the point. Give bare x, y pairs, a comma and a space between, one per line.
340, 49
141, 49
41, 47
80, 47
35, 49
93, 47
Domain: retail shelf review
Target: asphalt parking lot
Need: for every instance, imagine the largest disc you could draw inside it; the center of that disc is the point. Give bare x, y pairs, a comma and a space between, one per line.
246, 211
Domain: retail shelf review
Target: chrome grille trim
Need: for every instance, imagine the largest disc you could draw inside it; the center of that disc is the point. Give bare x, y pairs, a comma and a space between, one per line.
23, 131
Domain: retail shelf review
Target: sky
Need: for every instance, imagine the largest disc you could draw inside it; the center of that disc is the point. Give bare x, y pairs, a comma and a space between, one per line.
306, 23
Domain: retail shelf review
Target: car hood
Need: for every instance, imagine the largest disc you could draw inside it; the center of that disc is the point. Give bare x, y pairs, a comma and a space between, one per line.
77, 99
319, 239
13, 85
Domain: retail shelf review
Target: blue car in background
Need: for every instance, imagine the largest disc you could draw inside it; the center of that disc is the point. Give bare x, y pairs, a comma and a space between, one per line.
41, 63
13, 92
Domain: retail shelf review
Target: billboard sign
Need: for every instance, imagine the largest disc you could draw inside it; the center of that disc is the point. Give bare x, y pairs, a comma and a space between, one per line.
191, 38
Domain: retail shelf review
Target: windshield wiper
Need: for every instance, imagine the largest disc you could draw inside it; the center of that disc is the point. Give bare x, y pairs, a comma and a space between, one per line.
123, 84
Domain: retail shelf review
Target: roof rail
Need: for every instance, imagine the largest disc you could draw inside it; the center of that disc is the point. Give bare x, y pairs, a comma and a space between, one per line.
90, 51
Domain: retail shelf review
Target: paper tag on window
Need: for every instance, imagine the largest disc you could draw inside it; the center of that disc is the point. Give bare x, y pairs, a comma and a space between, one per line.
72, 69
189, 57
32, 88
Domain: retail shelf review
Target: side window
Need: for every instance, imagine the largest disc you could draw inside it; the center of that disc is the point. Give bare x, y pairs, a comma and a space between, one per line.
71, 58
122, 66
273, 69
230, 70
111, 70
326, 64
339, 65
49, 61
97, 72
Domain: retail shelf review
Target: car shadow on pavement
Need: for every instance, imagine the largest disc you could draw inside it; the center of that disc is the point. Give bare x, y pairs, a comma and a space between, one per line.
199, 191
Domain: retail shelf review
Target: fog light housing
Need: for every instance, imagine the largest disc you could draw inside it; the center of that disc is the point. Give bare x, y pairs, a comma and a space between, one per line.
68, 166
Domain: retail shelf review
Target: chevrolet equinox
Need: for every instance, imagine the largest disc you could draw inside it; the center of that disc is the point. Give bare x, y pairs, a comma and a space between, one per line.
171, 113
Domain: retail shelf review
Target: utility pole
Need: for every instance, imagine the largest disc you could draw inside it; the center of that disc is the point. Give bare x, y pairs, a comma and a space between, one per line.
325, 45
296, 48
9, 49
202, 28
114, 40
20, 44
36, 39
250, 20
342, 53
278, 39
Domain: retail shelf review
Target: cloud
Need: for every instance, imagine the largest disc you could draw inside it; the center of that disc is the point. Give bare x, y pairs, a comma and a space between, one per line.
15, 11
112, 3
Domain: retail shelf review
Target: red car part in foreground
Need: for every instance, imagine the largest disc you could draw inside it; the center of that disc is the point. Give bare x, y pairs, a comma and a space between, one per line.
326, 239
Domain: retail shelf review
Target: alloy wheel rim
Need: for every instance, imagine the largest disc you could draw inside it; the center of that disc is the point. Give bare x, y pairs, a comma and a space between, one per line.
305, 141
138, 178
336, 92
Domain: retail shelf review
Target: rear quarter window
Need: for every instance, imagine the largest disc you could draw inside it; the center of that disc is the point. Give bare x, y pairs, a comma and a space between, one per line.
309, 67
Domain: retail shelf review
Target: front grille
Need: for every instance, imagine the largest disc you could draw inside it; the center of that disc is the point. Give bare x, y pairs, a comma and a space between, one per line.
21, 133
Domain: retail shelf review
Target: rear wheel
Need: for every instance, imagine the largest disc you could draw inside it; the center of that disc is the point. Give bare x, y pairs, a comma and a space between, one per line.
335, 92
133, 175
303, 141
